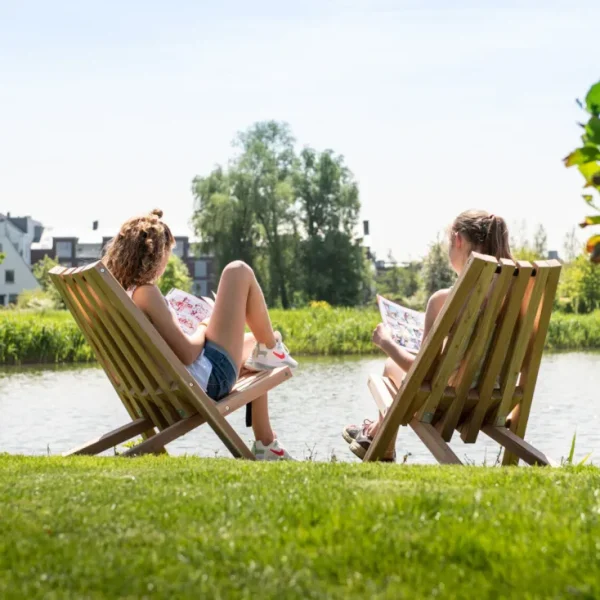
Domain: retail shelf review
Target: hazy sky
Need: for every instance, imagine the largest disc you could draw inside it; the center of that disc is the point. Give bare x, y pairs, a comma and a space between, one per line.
111, 108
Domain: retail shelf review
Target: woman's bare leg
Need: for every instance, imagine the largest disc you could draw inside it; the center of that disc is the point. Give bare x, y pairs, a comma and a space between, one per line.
396, 374
239, 301
261, 423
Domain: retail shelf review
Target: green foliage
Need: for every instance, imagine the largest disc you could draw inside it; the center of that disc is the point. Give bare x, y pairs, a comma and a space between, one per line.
291, 218
2, 257
402, 285
437, 272
164, 527
49, 337
579, 288
50, 298
587, 160
39, 300
46, 337
176, 275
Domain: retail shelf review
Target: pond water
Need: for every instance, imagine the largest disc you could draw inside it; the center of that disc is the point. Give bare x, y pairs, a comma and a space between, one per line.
49, 410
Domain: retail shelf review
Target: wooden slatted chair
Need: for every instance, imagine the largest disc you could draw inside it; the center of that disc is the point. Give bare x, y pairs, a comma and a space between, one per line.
478, 367
163, 400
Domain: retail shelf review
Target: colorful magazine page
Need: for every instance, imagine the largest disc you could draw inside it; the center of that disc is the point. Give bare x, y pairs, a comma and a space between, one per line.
190, 310
405, 324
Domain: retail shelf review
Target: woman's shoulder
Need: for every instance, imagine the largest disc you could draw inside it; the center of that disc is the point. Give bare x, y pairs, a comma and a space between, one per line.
438, 298
145, 293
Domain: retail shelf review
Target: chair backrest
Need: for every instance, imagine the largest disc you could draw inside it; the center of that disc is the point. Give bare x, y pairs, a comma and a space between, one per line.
485, 348
147, 375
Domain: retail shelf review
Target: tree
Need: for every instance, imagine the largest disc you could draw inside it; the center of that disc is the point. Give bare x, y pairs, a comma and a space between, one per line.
224, 216
176, 275
571, 246
580, 285
267, 162
328, 202
540, 242
587, 160
41, 271
437, 272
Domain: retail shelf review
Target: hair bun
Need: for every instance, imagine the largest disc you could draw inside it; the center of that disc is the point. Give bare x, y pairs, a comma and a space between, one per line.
157, 213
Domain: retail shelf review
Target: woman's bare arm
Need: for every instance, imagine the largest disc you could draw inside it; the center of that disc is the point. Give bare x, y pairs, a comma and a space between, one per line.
152, 302
404, 359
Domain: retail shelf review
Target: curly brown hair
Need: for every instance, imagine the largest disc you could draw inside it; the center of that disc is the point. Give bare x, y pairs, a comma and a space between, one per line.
488, 233
137, 252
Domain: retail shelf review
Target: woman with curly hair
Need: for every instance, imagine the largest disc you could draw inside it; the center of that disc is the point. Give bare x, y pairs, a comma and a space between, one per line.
138, 256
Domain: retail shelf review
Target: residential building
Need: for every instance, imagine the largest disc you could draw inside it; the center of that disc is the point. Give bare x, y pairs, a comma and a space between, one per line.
76, 248
17, 234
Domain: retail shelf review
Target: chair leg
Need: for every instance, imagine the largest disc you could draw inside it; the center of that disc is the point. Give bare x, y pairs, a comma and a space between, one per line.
431, 437
113, 438
518, 446
154, 444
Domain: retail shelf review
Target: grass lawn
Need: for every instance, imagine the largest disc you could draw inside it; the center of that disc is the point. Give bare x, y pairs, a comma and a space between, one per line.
216, 528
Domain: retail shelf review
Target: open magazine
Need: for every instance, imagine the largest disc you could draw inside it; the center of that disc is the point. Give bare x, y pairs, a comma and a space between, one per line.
190, 309
406, 325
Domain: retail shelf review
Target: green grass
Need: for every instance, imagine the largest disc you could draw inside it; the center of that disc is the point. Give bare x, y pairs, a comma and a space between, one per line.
216, 528
29, 337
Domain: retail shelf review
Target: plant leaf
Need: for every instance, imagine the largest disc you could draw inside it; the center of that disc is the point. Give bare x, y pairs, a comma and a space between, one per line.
584, 459
590, 200
588, 170
582, 155
592, 100
593, 247
592, 130
595, 220
572, 451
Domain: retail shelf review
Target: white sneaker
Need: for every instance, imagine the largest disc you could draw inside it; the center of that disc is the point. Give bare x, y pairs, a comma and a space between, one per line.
265, 359
274, 451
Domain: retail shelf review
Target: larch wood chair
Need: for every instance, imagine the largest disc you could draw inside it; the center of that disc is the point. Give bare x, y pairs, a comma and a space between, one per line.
162, 398
478, 367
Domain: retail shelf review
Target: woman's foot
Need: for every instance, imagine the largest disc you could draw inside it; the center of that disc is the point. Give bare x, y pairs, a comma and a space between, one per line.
266, 359
274, 451
362, 442
351, 432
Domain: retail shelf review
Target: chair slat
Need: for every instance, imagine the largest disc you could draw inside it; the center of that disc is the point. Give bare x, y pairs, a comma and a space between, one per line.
457, 341
497, 354
110, 368
127, 345
520, 343
475, 353
533, 358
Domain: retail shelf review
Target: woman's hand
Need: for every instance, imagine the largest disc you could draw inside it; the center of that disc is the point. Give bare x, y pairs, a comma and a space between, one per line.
382, 337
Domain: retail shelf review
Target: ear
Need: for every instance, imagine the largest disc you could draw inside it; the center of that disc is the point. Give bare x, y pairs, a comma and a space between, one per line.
458, 240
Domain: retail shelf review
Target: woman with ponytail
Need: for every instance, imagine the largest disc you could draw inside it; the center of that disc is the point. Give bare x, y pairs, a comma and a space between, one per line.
471, 231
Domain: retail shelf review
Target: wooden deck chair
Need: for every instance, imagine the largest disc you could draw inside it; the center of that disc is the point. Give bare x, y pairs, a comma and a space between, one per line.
478, 367
163, 400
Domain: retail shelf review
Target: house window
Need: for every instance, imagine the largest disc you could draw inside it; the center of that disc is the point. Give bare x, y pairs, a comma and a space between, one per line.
9, 277
178, 249
12, 299
64, 249
0, 247
200, 269
2, 299
201, 288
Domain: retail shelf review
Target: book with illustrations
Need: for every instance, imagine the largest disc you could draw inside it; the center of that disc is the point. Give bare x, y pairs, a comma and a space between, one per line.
406, 325
190, 309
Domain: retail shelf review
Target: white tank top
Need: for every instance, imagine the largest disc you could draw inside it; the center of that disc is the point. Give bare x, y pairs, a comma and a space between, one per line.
201, 368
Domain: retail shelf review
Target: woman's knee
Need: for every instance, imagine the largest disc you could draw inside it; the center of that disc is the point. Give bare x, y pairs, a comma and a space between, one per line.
393, 371
238, 269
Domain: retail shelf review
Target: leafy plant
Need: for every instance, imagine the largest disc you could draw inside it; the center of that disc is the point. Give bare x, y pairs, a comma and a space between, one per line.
587, 160
176, 275
571, 456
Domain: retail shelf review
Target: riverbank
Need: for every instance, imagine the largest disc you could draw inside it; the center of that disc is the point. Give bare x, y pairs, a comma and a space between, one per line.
53, 337
161, 528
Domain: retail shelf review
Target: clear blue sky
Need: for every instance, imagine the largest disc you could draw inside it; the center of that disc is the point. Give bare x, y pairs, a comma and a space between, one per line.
110, 108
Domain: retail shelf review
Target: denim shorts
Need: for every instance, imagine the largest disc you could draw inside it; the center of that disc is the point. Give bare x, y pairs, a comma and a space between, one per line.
224, 372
